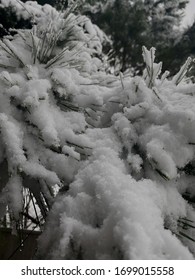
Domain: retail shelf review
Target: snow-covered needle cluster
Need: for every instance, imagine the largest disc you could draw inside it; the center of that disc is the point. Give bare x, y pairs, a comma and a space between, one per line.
121, 149
44, 98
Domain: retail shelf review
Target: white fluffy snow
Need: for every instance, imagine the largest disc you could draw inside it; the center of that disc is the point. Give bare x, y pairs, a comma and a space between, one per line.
107, 214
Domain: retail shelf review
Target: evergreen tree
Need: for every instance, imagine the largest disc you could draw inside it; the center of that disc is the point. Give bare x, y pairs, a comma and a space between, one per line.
165, 18
185, 47
132, 24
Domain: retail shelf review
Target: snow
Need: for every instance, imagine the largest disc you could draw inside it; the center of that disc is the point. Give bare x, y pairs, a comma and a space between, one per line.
109, 211
14, 190
70, 151
161, 159
12, 135
116, 147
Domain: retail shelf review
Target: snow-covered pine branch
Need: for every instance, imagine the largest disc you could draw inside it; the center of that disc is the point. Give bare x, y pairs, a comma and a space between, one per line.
46, 74
121, 149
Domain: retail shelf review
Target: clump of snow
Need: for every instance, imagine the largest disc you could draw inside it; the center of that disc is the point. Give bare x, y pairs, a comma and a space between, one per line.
135, 162
70, 151
12, 196
12, 136
161, 159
